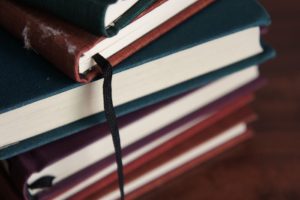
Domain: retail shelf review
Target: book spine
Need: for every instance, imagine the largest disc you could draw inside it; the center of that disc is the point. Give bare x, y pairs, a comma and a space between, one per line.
8, 190
43, 34
20, 168
86, 14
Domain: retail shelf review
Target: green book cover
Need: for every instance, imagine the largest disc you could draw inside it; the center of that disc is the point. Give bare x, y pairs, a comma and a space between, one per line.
31, 78
90, 14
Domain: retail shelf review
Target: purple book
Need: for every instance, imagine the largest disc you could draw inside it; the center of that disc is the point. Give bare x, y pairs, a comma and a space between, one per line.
7, 189
91, 151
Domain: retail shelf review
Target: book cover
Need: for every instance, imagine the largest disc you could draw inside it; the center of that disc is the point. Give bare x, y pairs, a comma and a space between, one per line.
82, 124
190, 138
64, 44
48, 154
35, 79
8, 191
156, 66
90, 15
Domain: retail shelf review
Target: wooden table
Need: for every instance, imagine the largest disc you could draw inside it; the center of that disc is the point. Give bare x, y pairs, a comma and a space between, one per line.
267, 167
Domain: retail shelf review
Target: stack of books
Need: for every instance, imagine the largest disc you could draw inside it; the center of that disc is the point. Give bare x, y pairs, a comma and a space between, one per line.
184, 74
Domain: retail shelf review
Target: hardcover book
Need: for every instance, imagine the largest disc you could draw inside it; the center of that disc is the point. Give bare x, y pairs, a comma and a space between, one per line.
95, 16
42, 90
60, 155
149, 167
71, 49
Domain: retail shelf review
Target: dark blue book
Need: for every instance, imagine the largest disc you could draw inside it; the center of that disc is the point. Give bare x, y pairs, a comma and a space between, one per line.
39, 105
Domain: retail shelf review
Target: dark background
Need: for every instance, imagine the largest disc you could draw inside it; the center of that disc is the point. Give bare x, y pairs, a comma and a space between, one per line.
268, 166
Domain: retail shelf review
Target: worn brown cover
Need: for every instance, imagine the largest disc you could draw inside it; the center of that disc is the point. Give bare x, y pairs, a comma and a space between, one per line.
63, 44
201, 132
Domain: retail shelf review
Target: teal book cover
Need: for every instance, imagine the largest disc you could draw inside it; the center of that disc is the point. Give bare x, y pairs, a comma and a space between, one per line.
90, 15
30, 78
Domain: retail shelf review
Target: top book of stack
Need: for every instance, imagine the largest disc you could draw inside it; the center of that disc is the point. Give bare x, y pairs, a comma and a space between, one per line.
70, 48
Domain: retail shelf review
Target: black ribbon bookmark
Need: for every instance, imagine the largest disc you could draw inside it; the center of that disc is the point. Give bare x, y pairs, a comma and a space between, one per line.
111, 116
43, 182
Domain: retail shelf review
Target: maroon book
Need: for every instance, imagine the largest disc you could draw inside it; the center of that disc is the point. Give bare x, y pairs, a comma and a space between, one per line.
90, 171
184, 142
64, 44
188, 166
7, 189
24, 165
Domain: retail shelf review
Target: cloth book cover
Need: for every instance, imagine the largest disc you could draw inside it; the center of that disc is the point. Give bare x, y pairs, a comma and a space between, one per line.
234, 106
52, 152
98, 169
63, 44
8, 191
92, 15
35, 79
189, 139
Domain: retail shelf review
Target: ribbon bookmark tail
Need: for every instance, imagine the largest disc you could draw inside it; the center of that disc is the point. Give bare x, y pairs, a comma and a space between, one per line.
111, 116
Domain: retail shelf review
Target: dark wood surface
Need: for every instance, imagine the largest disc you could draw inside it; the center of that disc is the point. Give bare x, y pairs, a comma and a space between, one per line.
268, 166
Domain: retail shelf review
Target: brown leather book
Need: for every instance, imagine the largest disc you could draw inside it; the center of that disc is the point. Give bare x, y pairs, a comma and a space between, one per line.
64, 44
